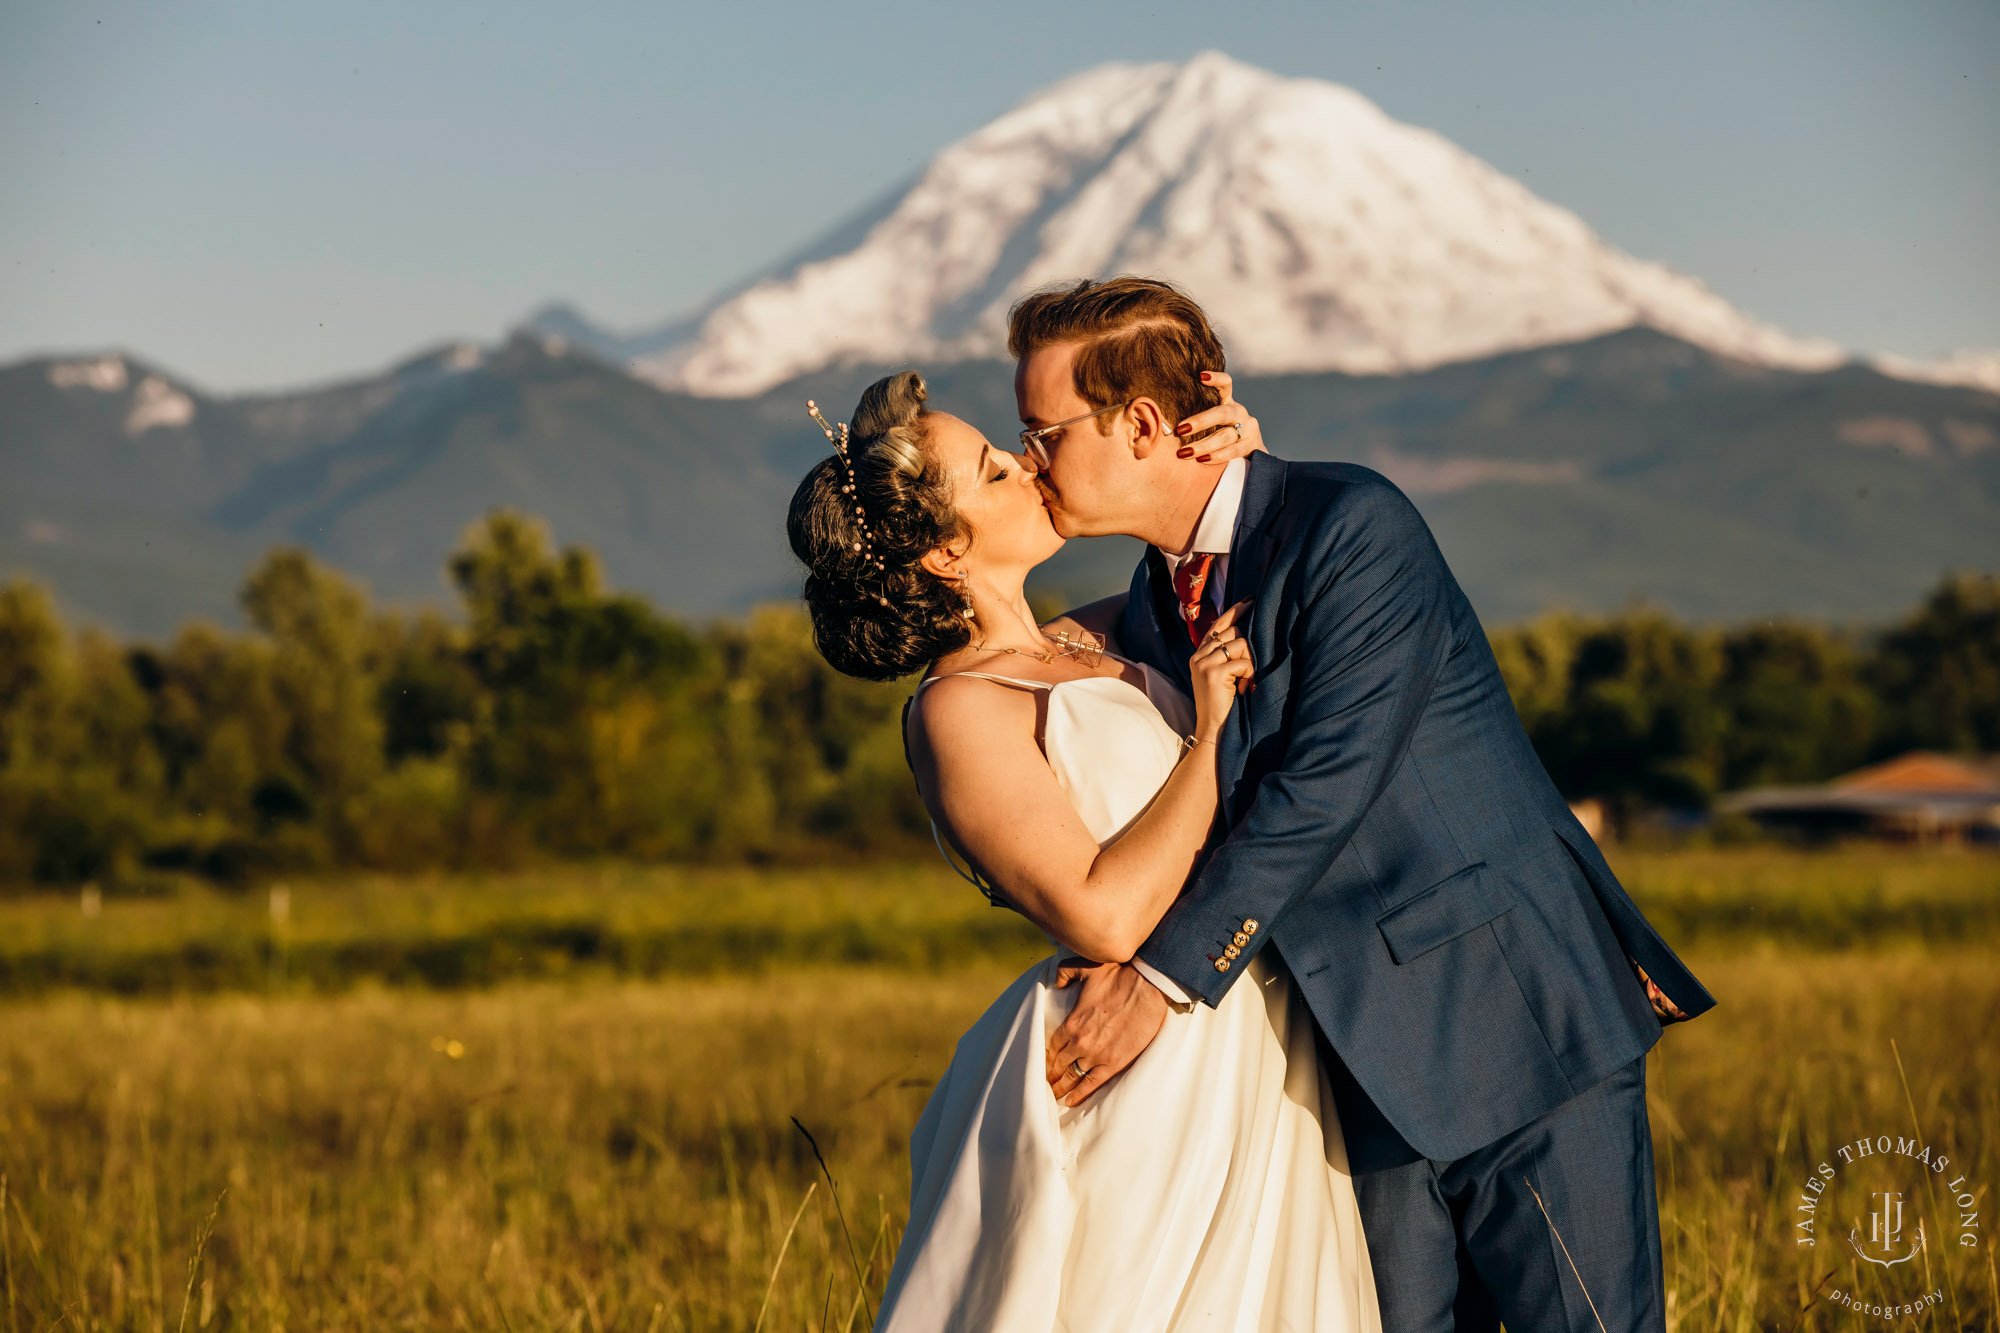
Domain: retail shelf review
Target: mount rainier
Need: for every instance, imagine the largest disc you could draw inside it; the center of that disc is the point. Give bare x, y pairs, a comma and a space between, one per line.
1319, 233
1579, 427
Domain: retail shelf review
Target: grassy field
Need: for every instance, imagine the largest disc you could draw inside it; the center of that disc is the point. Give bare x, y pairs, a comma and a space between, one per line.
452, 931
574, 922
603, 1140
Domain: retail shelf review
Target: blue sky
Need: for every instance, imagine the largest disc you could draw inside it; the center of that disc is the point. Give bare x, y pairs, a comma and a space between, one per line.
258, 195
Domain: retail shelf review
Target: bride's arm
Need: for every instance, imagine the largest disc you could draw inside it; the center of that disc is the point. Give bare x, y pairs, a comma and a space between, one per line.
997, 800
994, 794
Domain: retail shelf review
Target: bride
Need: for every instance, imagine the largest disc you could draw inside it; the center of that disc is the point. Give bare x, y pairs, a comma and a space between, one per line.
1206, 1186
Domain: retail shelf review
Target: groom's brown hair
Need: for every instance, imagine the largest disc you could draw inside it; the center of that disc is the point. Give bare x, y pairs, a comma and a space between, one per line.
1142, 338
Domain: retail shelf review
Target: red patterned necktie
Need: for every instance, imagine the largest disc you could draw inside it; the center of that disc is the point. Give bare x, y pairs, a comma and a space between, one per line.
1190, 582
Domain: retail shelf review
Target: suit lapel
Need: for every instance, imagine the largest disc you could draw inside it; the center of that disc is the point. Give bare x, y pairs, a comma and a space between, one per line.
1149, 618
1250, 548
1251, 545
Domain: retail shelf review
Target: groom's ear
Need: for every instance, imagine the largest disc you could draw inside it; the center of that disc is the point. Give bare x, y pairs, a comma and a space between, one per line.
1151, 431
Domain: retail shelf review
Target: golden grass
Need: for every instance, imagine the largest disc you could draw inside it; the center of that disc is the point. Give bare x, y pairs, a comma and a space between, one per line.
655, 921
1860, 895
619, 1155
591, 1150
1802, 1057
481, 929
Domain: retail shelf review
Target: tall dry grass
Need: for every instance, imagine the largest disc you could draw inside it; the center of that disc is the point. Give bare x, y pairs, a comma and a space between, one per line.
620, 1156
1809, 1052
602, 1153
616, 1156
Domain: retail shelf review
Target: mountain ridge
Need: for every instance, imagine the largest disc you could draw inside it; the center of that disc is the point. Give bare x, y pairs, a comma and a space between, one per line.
1632, 465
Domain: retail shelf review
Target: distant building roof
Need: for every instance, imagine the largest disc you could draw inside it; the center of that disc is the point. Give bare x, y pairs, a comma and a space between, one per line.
1921, 771
1919, 790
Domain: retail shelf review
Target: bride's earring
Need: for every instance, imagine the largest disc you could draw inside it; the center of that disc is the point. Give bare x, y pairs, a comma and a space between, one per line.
965, 598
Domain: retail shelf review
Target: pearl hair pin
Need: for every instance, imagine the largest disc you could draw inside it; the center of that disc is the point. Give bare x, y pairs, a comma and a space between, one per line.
837, 437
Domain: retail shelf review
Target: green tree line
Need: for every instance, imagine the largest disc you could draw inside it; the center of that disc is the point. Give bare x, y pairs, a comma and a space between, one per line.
1639, 710
556, 718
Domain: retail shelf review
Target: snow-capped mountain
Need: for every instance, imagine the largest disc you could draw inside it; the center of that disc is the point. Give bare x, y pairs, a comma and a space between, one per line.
1319, 233
153, 402
1973, 368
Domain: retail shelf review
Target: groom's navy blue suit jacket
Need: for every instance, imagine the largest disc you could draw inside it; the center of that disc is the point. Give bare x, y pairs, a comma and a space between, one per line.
1456, 934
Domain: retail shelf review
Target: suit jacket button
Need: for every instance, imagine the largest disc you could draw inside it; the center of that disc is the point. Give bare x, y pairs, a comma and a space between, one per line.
1242, 938
1231, 951
1222, 964
1250, 926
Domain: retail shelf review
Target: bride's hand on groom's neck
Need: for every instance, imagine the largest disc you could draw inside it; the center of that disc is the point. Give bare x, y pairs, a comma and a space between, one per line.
1222, 433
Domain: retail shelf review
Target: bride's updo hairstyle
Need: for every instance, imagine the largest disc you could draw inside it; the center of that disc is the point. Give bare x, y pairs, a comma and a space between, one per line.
880, 622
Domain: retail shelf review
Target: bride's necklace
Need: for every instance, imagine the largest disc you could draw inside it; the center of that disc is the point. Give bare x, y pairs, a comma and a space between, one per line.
1085, 647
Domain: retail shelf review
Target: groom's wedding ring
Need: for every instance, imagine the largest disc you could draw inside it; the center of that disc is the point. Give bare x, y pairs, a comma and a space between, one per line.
1076, 1067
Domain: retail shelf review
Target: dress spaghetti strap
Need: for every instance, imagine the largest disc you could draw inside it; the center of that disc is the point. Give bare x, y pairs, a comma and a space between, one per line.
987, 675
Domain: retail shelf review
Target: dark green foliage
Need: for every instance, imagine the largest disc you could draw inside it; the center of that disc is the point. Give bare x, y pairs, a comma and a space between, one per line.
561, 719
429, 694
1640, 710
1938, 673
1794, 708
1639, 723
78, 776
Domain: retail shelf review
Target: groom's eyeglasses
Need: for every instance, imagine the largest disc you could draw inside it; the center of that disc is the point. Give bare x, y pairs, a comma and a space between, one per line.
1035, 444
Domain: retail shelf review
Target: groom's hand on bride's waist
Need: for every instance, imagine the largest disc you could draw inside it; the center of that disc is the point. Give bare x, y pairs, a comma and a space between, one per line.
1117, 1015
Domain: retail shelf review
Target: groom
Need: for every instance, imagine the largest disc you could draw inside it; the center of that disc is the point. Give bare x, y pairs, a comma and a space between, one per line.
1485, 991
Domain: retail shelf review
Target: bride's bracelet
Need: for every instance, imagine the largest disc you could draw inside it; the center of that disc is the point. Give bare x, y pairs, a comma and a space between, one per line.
1189, 743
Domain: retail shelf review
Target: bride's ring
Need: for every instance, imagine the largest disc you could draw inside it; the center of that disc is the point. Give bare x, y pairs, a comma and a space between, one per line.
1076, 1067
1239, 431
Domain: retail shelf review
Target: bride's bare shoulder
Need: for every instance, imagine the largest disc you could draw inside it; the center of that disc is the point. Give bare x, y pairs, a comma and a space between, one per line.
973, 707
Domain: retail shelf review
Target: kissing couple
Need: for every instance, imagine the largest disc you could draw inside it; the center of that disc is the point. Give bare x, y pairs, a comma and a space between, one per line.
1347, 1025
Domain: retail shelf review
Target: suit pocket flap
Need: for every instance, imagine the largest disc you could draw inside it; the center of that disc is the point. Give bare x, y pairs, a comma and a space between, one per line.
1443, 912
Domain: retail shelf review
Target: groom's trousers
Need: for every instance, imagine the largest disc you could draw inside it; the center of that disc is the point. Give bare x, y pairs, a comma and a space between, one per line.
1552, 1227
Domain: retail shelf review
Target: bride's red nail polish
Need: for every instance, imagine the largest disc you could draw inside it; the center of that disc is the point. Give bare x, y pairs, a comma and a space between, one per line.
1202, 459
1184, 429
1204, 377
1188, 452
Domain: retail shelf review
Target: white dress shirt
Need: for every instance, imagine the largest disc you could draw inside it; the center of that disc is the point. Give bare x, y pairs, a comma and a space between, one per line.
1213, 535
1216, 531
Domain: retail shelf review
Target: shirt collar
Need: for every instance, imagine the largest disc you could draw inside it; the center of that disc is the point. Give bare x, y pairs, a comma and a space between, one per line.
1217, 529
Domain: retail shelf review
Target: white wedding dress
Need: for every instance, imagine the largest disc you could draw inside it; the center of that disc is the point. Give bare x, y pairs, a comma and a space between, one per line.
1205, 1187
